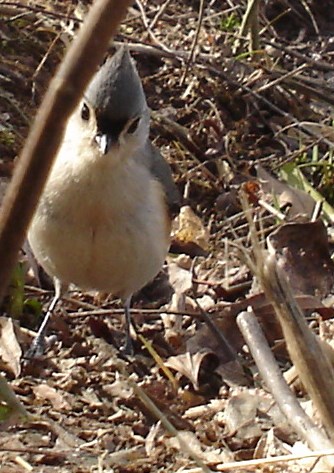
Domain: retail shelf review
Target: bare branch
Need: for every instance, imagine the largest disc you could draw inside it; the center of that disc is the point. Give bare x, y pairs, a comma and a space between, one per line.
275, 381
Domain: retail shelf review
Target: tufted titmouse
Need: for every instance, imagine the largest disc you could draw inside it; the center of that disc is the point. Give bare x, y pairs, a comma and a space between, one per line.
103, 221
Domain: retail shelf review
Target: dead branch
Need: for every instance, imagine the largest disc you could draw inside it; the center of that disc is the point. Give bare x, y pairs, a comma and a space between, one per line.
312, 364
250, 23
275, 381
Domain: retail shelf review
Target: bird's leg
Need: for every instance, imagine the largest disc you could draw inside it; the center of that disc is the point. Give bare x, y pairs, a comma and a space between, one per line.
37, 347
127, 348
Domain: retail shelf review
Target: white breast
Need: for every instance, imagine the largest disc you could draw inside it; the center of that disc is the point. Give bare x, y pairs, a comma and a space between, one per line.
101, 225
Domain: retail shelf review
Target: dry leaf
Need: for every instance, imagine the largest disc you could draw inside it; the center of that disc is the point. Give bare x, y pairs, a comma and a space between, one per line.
232, 373
201, 450
179, 278
190, 236
302, 251
163, 400
188, 365
301, 203
10, 350
240, 416
227, 366
228, 203
247, 414
56, 398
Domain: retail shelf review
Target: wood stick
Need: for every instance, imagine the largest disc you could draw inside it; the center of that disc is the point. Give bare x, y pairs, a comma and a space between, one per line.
313, 366
286, 400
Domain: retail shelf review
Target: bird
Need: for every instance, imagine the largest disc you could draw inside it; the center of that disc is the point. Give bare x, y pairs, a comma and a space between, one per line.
103, 221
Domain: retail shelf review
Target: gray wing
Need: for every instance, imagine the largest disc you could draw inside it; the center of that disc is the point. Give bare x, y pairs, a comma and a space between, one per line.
161, 170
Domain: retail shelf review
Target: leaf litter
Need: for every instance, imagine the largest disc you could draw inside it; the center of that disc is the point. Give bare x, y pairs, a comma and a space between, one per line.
226, 125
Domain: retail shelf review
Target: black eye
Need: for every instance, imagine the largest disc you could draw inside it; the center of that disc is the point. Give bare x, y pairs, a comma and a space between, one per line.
85, 113
134, 125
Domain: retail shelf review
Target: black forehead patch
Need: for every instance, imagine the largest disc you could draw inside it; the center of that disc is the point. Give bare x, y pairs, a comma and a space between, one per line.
107, 126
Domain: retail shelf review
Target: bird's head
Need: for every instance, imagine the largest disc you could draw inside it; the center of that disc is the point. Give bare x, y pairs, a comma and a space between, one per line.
114, 108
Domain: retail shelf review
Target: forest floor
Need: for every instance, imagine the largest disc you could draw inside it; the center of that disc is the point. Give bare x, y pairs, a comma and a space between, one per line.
230, 123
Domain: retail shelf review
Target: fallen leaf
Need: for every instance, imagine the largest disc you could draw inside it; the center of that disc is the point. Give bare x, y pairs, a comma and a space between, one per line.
302, 251
247, 413
56, 398
292, 174
188, 365
227, 365
10, 350
300, 202
228, 203
189, 234
162, 398
179, 278
240, 416
224, 317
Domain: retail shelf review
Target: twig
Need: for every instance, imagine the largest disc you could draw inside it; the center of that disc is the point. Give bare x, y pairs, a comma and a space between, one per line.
272, 106
281, 78
317, 64
148, 28
9, 8
156, 412
312, 364
309, 12
194, 45
224, 344
275, 212
277, 385
64, 92
160, 12
258, 462
250, 22
42, 62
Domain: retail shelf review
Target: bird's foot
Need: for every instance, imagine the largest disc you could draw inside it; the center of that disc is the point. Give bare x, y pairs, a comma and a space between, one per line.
127, 348
36, 349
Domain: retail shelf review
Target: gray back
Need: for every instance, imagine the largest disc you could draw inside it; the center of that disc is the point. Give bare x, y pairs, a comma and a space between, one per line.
162, 172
